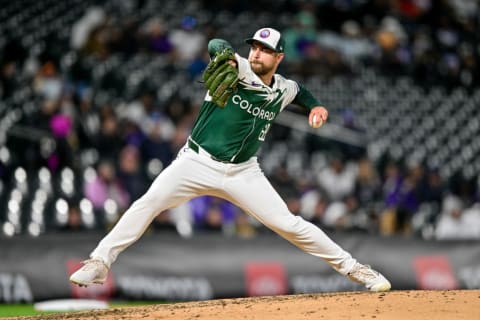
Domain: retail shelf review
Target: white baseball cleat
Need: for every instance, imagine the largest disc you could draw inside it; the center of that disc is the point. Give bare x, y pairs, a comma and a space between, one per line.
373, 280
94, 271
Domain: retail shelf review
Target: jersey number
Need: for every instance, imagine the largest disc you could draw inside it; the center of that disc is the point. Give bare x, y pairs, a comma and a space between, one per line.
263, 133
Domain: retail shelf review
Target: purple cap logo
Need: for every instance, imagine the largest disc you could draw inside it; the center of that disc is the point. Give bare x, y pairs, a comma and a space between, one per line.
265, 33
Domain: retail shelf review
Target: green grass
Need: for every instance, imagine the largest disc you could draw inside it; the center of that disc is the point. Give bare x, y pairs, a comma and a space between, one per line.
17, 310
14, 310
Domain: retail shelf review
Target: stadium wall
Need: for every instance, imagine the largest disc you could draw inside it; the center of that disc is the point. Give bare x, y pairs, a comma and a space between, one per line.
166, 267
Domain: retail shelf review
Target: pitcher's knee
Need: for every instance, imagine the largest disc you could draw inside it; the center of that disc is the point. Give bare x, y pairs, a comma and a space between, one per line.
290, 225
148, 203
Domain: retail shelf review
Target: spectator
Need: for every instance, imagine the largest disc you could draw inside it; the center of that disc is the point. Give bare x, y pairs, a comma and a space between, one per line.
313, 205
245, 227
130, 172
432, 189
188, 42
97, 44
81, 29
457, 223
368, 183
87, 123
214, 214
350, 121
338, 179
63, 156
156, 36
391, 39
301, 34
12, 59
346, 215
392, 181
157, 130
47, 82
198, 65
106, 185
74, 221
109, 131
351, 43
8, 79
402, 202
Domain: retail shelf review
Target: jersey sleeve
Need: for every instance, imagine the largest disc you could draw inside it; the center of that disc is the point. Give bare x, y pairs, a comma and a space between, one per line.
242, 65
305, 98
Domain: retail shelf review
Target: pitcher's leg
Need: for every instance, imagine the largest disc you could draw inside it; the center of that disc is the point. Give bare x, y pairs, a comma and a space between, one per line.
254, 194
168, 190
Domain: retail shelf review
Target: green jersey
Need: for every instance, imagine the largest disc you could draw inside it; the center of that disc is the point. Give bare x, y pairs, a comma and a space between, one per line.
235, 133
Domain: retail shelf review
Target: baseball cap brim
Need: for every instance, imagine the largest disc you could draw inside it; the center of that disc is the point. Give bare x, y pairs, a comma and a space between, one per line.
252, 40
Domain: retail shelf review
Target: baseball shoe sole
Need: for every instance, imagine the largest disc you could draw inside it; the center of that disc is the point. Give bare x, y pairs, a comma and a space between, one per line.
373, 280
94, 271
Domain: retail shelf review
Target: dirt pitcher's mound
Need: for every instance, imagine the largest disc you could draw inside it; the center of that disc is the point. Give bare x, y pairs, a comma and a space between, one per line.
411, 305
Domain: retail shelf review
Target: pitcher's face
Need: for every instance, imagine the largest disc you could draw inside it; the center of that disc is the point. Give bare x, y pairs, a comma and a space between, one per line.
263, 60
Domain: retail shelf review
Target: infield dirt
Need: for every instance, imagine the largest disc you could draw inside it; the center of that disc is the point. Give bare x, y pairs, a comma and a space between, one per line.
411, 305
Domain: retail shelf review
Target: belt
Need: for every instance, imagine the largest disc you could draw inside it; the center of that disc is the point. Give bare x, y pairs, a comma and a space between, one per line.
197, 149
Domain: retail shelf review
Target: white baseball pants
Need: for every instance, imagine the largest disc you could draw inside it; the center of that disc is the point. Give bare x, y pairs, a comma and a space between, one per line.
193, 174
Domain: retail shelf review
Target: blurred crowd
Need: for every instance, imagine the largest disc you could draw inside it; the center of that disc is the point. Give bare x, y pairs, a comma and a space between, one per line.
434, 42
116, 130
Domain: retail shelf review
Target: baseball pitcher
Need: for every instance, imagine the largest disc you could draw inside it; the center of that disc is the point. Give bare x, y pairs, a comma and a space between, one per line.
243, 98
